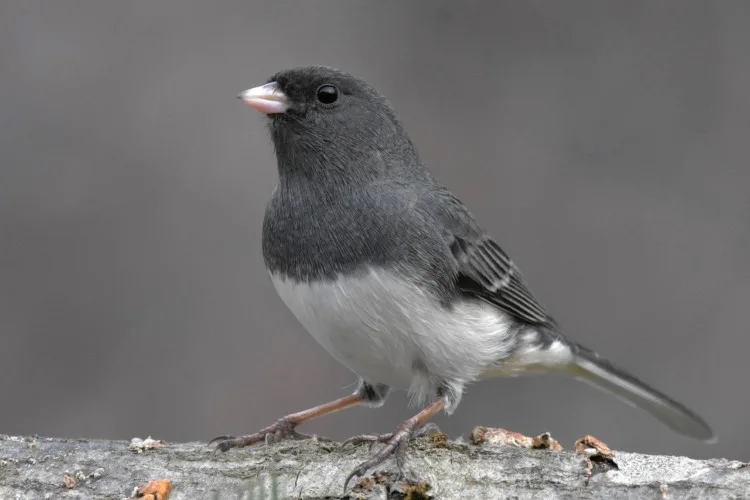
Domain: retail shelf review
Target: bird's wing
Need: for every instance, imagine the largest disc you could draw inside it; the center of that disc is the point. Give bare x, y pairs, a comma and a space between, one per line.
484, 269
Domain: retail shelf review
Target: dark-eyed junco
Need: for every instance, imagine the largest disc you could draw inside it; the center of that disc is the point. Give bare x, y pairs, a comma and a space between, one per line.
390, 272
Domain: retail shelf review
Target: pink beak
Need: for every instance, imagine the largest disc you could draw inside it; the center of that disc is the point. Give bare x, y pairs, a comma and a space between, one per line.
267, 99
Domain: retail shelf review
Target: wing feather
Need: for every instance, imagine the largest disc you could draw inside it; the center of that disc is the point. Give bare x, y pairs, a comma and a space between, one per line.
486, 271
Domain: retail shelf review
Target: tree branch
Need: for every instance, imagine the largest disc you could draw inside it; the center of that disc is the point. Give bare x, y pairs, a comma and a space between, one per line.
35, 468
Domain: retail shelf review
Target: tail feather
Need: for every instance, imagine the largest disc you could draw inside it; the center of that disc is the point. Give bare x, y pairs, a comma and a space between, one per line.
589, 367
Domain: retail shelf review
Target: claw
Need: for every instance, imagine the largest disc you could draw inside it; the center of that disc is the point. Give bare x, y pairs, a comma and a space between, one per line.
367, 439
220, 438
285, 426
371, 439
396, 445
279, 430
272, 434
358, 472
397, 442
226, 443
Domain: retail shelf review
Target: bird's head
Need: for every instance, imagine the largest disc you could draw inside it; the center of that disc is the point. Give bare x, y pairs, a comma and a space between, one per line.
327, 122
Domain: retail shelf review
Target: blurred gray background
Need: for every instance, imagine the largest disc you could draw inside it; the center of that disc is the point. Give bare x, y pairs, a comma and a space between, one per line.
604, 144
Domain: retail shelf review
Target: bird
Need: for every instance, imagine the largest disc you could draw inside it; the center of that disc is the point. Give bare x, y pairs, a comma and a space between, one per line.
393, 276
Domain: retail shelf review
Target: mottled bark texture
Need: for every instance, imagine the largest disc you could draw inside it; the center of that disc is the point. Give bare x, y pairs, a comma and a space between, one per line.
37, 468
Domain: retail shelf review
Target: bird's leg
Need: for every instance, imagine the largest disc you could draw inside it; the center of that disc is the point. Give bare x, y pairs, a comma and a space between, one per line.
397, 441
285, 426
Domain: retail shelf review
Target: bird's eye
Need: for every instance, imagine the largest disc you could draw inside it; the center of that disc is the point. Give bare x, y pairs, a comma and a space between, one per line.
328, 94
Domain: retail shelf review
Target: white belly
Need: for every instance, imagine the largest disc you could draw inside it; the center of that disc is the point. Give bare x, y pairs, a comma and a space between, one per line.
388, 331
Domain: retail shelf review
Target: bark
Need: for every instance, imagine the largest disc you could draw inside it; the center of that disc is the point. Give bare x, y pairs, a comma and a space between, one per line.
36, 468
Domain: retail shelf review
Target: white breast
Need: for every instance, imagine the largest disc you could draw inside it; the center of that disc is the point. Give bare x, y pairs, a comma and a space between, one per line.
387, 330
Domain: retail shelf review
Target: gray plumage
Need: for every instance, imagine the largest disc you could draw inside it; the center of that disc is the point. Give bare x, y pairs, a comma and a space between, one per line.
392, 274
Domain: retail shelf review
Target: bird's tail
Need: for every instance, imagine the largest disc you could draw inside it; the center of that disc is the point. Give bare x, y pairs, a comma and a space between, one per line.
589, 367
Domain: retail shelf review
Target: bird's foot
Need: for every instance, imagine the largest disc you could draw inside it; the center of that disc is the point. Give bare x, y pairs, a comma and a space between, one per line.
426, 430
285, 427
370, 439
396, 443
282, 429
